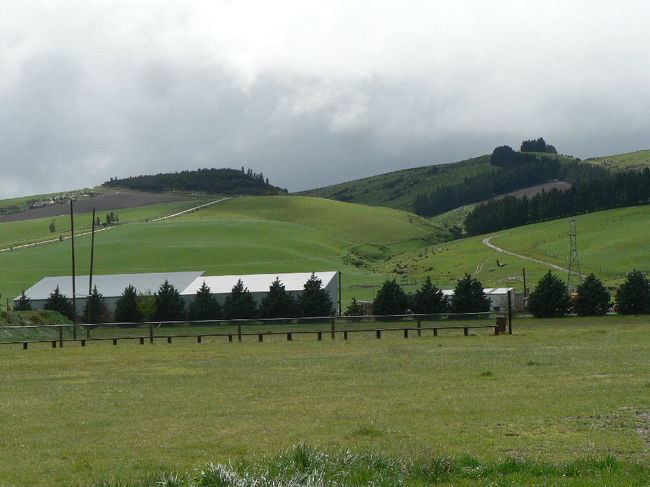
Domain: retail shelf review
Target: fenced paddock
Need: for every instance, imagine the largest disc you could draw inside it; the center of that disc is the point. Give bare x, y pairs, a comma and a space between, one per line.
260, 330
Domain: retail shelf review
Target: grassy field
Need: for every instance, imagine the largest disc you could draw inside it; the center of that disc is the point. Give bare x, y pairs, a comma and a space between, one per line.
557, 393
368, 244
13, 234
630, 160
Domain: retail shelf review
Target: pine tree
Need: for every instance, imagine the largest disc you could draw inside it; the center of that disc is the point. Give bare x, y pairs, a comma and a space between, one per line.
126, 307
169, 304
23, 303
390, 299
239, 303
429, 299
96, 310
633, 296
469, 297
550, 298
205, 305
58, 301
277, 303
592, 298
314, 300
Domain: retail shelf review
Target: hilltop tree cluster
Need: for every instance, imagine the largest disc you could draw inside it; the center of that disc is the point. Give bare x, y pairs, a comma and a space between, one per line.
215, 181
511, 171
538, 145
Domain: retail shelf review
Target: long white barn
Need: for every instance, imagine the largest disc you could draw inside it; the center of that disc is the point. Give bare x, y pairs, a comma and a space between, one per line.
111, 286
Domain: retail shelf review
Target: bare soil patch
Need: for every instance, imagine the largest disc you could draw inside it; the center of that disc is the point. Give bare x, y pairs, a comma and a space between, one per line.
113, 200
538, 188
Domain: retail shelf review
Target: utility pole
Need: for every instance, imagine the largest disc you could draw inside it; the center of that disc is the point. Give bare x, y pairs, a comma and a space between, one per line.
574, 260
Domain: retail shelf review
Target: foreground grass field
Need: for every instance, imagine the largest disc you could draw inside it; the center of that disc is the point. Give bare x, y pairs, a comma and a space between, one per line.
553, 395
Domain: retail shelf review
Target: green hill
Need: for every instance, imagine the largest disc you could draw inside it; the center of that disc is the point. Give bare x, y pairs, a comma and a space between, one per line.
631, 160
368, 244
399, 189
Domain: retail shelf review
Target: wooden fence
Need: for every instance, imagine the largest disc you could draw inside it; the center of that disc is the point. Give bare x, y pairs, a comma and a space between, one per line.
231, 330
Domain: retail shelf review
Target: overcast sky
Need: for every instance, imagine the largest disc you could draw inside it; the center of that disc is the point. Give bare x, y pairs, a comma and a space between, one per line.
310, 93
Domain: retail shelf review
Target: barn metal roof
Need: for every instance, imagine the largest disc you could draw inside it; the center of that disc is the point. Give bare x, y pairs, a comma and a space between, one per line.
256, 283
111, 285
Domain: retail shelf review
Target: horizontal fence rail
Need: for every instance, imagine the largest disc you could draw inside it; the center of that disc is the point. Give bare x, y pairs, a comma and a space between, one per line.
239, 329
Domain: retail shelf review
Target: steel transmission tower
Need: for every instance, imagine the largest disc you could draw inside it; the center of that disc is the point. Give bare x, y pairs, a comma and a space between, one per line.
574, 260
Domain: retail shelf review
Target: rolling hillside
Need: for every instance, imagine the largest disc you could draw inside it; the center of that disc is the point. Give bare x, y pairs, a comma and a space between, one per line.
400, 188
368, 244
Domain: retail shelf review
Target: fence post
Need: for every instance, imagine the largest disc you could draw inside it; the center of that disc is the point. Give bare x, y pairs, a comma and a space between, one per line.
239, 332
150, 333
60, 337
419, 328
87, 332
333, 332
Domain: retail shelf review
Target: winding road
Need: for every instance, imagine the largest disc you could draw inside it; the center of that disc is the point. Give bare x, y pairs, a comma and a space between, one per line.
486, 241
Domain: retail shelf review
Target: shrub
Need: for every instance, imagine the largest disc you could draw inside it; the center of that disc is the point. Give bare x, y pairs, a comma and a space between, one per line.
314, 300
429, 299
57, 301
126, 307
354, 309
633, 296
550, 298
469, 297
204, 306
390, 299
23, 303
239, 303
95, 310
169, 304
277, 303
146, 305
592, 297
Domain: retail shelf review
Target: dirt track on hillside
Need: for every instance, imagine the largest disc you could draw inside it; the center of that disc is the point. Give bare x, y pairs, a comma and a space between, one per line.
114, 200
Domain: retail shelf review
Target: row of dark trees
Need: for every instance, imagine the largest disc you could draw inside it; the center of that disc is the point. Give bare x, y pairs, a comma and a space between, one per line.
391, 299
217, 181
611, 191
551, 297
167, 304
514, 170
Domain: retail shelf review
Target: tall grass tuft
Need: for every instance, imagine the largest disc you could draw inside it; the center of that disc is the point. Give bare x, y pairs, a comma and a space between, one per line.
307, 466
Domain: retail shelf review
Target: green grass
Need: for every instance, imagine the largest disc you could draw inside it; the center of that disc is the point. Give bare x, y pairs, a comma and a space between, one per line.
13, 234
563, 397
352, 222
399, 189
630, 160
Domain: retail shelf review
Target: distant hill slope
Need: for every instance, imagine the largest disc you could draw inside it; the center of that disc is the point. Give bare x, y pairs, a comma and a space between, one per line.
214, 181
631, 160
399, 189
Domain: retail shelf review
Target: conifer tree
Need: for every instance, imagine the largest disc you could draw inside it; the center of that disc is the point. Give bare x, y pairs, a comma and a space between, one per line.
592, 298
126, 307
57, 301
314, 300
633, 296
550, 298
96, 310
429, 299
277, 303
205, 305
469, 297
239, 303
390, 299
23, 303
169, 304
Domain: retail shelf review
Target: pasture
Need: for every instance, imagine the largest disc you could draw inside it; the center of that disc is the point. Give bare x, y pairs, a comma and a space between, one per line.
556, 393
